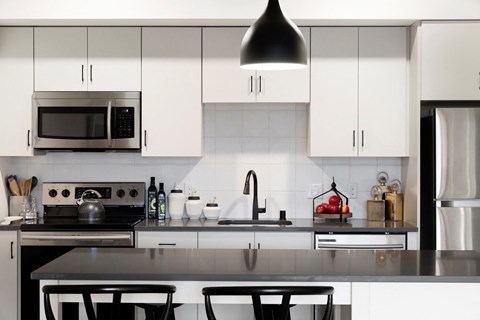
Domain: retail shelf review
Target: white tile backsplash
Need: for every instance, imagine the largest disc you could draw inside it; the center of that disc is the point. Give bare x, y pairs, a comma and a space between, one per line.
268, 138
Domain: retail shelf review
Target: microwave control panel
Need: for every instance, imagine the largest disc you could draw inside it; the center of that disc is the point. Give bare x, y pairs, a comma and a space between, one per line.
124, 122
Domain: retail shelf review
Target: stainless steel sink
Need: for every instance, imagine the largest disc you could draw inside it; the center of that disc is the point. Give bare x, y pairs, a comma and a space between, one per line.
255, 222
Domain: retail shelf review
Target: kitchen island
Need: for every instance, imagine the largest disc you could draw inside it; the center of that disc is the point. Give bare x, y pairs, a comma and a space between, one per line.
376, 283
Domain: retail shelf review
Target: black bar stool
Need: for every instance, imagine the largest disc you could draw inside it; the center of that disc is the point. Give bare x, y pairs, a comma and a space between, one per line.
283, 310
116, 290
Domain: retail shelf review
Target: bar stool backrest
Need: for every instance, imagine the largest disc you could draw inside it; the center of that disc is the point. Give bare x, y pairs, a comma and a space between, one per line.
117, 290
258, 308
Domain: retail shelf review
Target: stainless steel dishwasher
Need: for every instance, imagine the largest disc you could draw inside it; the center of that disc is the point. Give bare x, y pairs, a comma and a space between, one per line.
356, 241
360, 241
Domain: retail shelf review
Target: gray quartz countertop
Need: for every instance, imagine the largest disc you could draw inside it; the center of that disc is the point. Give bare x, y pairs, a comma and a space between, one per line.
263, 265
13, 226
298, 225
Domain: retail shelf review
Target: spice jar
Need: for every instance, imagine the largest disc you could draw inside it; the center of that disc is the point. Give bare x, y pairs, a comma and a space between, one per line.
194, 206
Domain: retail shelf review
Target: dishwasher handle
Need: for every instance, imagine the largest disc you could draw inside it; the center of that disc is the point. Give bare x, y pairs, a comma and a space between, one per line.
360, 246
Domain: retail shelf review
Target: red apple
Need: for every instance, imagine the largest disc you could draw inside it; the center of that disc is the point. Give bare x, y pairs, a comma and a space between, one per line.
321, 208
345, 209
335, 200
332, 208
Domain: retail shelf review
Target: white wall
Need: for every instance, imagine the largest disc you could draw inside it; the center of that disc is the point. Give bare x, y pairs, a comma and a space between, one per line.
271, 139
230, 12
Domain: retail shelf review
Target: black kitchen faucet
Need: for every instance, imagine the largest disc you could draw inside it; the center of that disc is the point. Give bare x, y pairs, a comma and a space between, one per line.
246, 190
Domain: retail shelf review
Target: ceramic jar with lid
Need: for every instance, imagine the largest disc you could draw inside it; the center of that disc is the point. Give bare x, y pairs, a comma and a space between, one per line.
176, 203
211, 210
194, 206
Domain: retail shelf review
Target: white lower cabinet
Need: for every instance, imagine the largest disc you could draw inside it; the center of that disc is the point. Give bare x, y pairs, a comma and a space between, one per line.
8, 275
169, 239
257, 240
146, 239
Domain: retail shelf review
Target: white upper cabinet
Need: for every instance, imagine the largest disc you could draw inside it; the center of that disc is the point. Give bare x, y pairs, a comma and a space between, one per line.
172, 94
225, 81
382, 93
81, 59
16, 87
450, 60
333, 119
359, 78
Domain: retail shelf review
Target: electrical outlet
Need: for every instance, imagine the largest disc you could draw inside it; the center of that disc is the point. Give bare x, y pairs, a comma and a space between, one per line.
314, 190
352, 191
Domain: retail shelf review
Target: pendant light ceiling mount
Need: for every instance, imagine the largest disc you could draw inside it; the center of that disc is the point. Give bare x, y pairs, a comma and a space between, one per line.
273, 42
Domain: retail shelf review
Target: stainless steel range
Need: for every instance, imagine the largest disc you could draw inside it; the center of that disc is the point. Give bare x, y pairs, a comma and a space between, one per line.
59, 230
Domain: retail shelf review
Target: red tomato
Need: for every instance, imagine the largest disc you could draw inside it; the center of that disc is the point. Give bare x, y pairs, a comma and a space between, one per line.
335, 200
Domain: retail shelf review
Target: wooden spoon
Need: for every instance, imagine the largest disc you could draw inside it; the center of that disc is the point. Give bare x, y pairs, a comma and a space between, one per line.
22, 186
28, 187
13, 186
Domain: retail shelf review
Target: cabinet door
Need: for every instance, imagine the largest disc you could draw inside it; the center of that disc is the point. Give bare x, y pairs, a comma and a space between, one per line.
60, 59
450, 61
285, 85
223, 79
226, 240
114, 59
334, 81
167, 239
16, 86
171, 95
8, 275
283, 240
382, 96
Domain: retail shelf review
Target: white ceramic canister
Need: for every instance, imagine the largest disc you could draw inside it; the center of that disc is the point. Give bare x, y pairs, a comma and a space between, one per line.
194, 207
212, 210
176, 203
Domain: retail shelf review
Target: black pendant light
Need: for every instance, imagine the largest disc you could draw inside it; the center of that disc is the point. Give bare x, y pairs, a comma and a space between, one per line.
273, 42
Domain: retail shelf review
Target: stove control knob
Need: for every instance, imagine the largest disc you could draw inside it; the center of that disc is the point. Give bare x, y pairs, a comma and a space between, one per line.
65, 193
52, 193
120, 193
133, 193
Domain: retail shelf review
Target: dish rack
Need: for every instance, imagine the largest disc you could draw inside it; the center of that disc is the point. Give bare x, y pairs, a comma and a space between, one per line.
341, 217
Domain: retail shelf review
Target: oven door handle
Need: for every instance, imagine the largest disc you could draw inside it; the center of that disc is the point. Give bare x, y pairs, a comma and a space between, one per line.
76, 237
359, 246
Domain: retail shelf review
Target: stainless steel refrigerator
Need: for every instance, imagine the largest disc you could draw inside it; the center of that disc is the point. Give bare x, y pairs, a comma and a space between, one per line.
454, 147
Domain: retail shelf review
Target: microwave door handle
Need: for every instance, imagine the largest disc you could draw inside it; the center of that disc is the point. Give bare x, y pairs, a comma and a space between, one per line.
109, 123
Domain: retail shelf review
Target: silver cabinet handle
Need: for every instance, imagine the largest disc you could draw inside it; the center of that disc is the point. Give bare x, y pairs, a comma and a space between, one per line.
251, 84
258, 245
91, 73
11, 250
260, 84
167, 244
363, 139
28, 138
83, 79
354, 138
145, 138
360, 246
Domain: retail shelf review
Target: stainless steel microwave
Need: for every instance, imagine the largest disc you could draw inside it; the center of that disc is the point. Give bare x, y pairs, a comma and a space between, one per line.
86, 121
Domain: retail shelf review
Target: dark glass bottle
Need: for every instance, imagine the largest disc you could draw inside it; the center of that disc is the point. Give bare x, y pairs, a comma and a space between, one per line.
161, 202
152, 210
